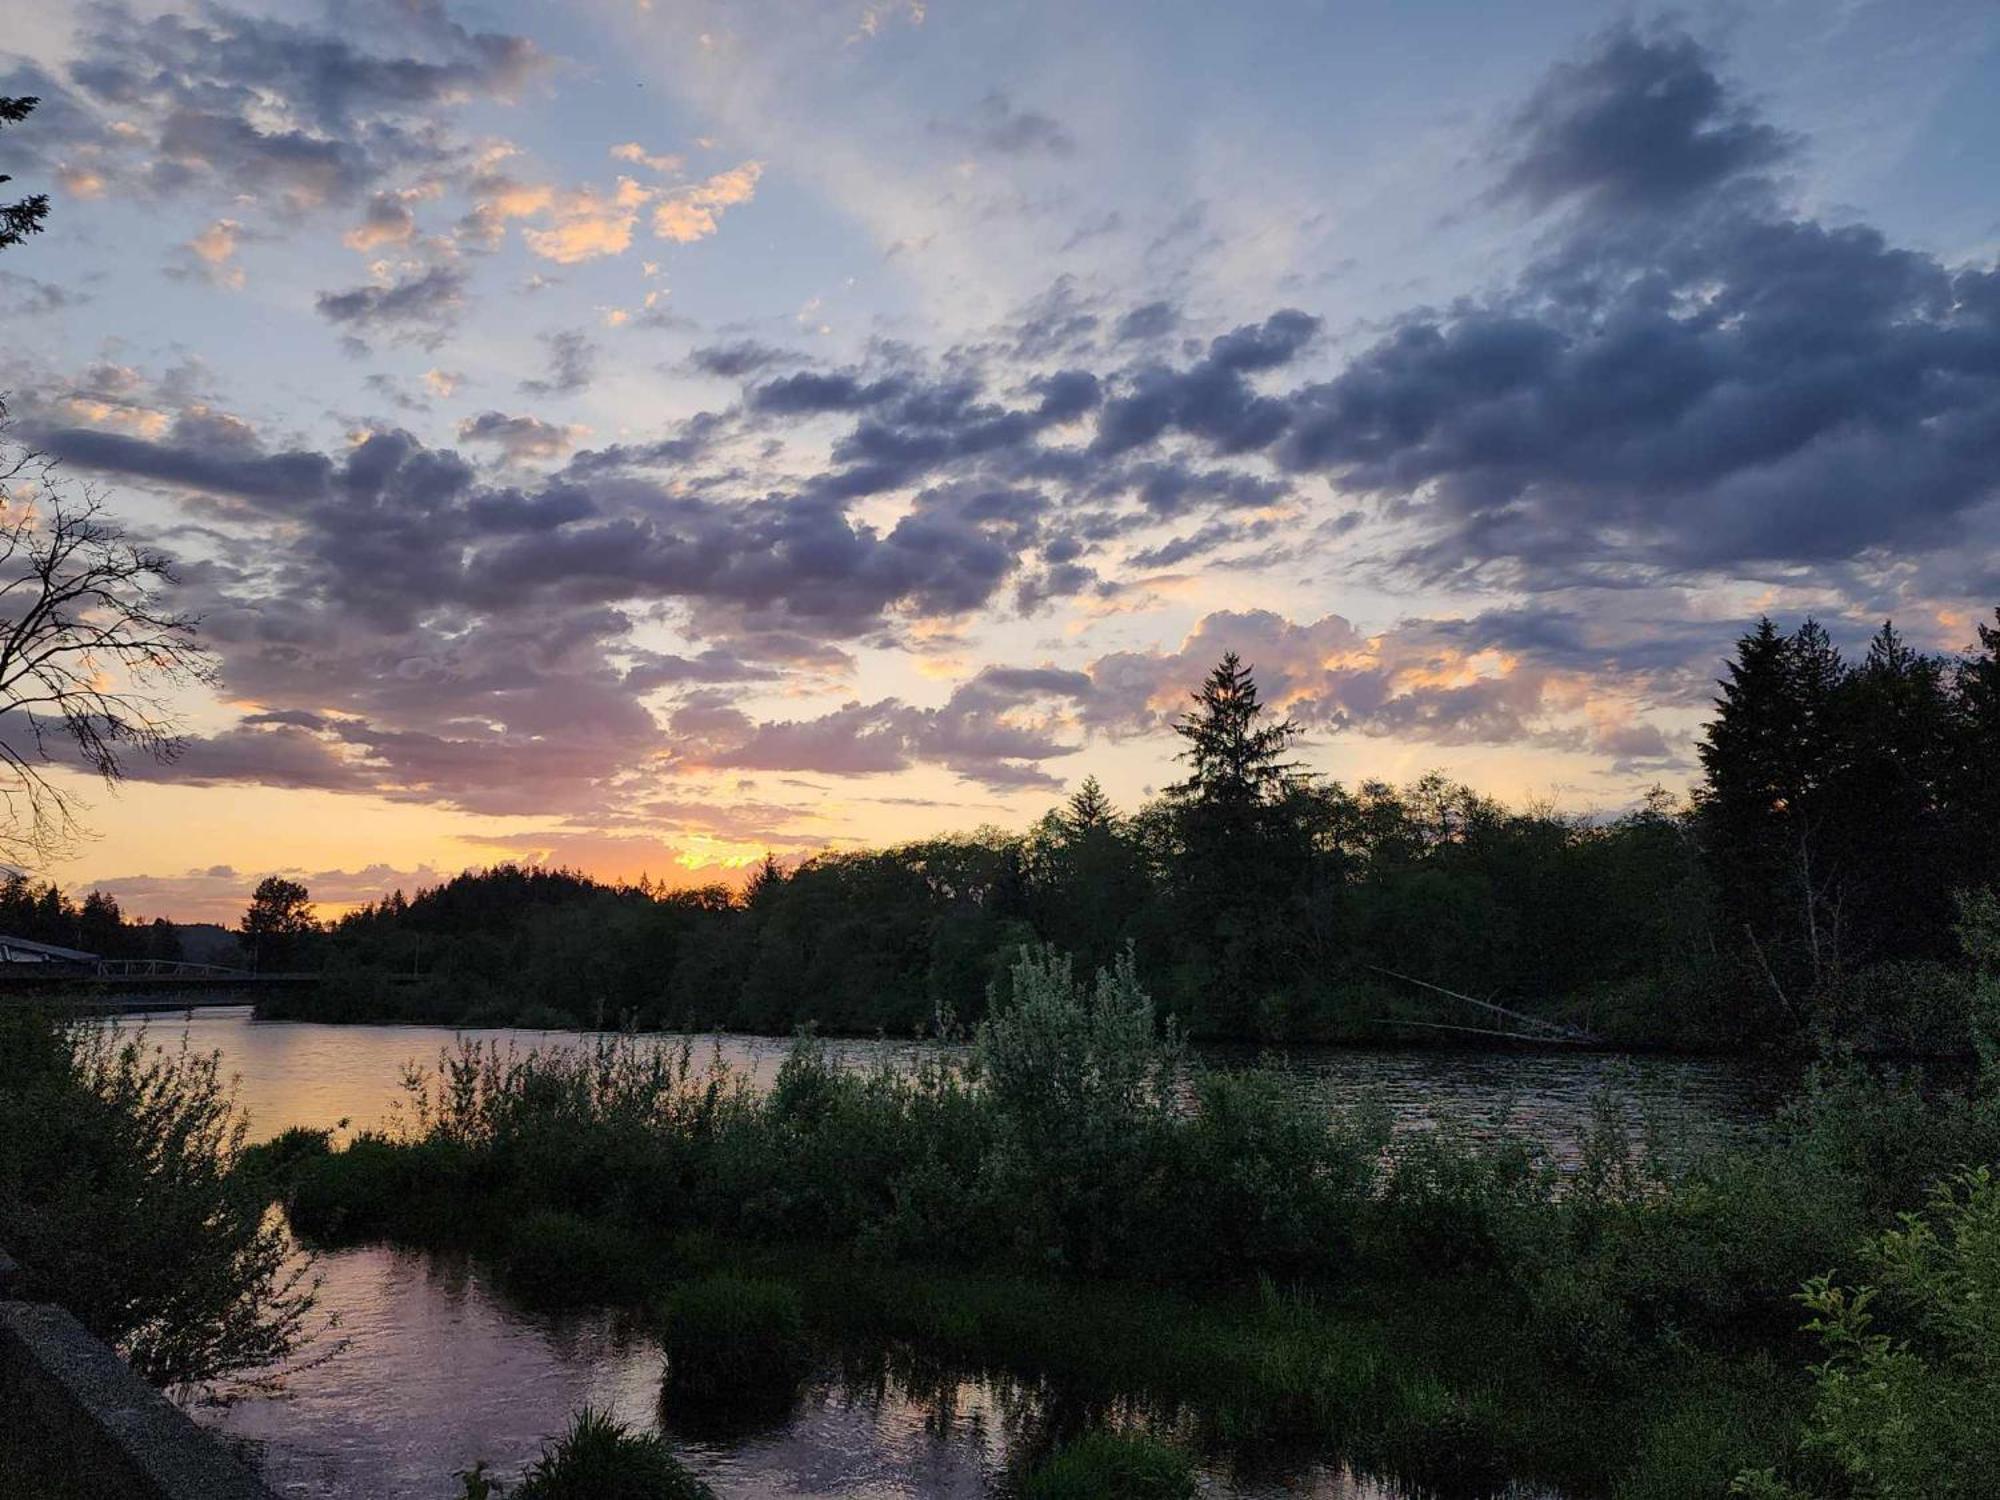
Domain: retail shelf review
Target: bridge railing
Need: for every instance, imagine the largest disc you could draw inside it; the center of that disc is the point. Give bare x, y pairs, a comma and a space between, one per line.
164, 968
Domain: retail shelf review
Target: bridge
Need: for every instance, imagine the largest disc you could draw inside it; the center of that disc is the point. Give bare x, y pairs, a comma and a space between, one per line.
30, 969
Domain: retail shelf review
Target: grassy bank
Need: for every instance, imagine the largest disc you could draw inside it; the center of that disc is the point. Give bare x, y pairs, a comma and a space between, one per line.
1073, 1201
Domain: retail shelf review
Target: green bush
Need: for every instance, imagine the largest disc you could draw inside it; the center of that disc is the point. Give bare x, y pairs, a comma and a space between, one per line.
598, 1459
122, 1198
1911, 1418
377, 1187
276, 1162
556, 1259
1112, 1466
735, 1339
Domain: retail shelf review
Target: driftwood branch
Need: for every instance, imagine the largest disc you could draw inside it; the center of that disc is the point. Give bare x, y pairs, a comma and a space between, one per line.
1543, 1029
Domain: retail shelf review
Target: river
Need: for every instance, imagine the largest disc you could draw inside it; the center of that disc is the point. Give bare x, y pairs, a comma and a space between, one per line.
438, 1367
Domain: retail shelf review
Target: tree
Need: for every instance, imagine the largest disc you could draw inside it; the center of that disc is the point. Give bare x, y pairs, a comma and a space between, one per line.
1235, 761
1237, 864
1088, 810
100, 925
88, 650
279, 916
1974, 764
24, 216
1768, 754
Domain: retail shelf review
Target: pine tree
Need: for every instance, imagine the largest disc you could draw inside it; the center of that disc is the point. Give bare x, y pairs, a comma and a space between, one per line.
23, 216
100, 925
765, 882
1088, 810
1973, 774
1765, 755
1237, 868
1235, 761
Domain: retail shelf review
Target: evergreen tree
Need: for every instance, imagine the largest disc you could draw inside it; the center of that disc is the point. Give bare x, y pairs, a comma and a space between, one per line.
24, 216
101, 925
1973, 770
764, 883
1088, 810
1236, 761
1237, 870
1764, 755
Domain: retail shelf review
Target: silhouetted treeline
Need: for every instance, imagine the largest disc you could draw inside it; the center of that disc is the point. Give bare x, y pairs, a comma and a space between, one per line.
43, 914
1808, 885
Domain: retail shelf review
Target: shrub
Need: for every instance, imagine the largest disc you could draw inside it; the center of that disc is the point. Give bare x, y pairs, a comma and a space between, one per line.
276, 1163
1452, 1204
379, 1187
120, 1196
1913, 1418
598, 1459
557, 1259
1082, 1090
1112, 1466
1268, 1179
735, 1339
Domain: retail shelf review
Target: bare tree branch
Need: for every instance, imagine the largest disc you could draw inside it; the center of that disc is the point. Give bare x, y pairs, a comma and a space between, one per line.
90, 651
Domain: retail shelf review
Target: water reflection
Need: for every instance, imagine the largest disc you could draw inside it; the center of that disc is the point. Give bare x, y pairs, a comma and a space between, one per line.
304, 1073
440, 1369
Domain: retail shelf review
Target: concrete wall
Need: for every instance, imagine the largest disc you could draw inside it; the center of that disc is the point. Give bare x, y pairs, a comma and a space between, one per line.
76, 1422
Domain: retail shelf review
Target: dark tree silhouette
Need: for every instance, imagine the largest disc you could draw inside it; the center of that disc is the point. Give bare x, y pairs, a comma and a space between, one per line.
24, 216
88, 651
279, 917
1237, 864
1236, 761
1088, 810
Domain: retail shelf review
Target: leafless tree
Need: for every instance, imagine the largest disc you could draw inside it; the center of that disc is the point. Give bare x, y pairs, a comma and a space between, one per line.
89, 651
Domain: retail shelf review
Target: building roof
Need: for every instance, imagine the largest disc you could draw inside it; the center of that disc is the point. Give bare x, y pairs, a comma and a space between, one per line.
44, 952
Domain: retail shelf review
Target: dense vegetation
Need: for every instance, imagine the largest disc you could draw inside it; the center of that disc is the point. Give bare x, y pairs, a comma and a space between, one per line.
1074, 1199
1804, 890
122, 1198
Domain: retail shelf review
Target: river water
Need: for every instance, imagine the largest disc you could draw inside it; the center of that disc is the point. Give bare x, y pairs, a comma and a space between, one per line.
437, 1367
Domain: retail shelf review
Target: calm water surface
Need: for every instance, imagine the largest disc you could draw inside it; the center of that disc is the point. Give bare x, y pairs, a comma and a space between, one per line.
440, 1368
304, 1073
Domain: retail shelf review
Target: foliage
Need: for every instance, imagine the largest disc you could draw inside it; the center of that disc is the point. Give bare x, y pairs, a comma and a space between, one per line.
1112, 1466
24, 216
599, 1459
734, 1338
277, 922
1803, 898
1912, 1417
44, 914
558, 1259
120, 1198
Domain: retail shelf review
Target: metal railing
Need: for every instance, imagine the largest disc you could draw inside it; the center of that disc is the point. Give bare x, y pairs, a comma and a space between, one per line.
164, 968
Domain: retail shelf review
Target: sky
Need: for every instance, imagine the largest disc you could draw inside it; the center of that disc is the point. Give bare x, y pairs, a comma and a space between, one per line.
638, 435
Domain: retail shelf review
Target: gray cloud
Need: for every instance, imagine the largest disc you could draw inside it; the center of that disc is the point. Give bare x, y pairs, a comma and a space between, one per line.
418, 307
1640, 123
996, 128
519, 437
572, 364
232, 103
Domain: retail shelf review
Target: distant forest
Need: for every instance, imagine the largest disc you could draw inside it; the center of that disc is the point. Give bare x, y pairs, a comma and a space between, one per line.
1806, 889
44, 914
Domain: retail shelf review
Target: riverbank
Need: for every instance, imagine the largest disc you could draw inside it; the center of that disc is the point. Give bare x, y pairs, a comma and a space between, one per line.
1243, 1273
